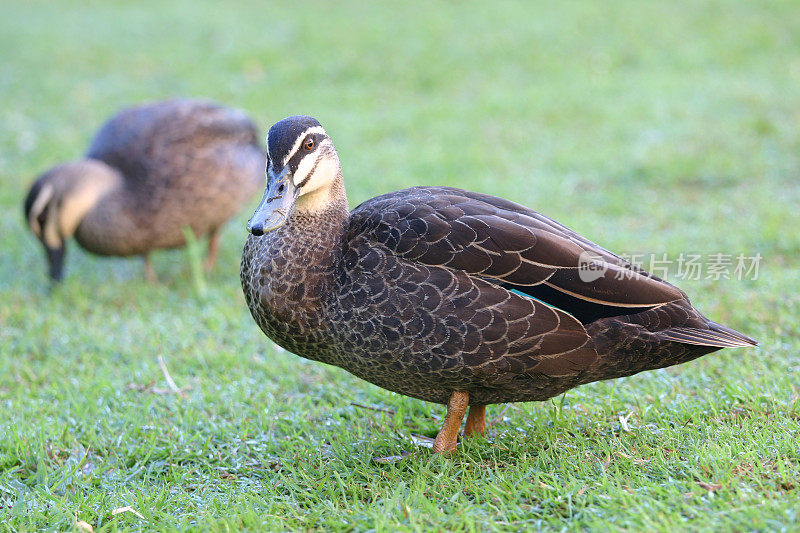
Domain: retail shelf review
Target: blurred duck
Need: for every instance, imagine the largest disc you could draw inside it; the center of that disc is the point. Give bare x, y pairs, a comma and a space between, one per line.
151, 172
450, 296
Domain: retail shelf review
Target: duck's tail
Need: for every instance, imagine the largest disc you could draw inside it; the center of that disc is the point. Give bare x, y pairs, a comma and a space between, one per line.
716, 335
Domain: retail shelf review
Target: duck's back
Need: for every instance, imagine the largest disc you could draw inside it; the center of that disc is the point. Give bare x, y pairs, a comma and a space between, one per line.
184, 163
155, 143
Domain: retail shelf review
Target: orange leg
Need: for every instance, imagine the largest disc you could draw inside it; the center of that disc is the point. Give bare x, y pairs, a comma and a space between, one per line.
476, 421
448, 436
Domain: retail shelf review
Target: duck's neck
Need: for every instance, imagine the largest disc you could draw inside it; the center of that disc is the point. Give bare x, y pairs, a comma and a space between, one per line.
330, 201
112, 227
320, 217
297, 260
315, 232
95, 182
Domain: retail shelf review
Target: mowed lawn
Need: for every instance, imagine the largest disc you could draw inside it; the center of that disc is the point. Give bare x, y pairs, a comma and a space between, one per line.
649, 129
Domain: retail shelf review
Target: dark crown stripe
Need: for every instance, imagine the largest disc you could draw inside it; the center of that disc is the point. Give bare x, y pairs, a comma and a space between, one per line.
283, 135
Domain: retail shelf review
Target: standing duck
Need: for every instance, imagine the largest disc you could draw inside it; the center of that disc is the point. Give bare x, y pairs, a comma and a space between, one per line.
150, 172
450, 296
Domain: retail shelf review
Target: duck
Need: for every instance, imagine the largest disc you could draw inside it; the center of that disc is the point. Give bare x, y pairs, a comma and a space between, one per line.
449, 296
151, 171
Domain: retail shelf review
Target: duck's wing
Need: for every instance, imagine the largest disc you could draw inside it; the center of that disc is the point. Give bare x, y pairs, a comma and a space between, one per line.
137, 140
513, 246
452, 320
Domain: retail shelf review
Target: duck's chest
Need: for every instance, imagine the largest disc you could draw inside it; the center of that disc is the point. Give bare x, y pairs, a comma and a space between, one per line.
286, 282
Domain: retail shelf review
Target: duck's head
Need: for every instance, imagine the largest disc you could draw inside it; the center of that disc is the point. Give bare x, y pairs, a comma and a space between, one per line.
58, 201
303, 172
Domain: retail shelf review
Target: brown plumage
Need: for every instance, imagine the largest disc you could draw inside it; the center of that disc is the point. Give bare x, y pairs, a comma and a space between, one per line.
150, 172
447, 295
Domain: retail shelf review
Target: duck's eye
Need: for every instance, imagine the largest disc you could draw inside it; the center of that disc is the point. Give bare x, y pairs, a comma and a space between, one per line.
308, 144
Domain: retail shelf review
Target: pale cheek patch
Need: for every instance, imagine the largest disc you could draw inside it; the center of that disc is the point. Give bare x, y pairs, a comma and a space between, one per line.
324, 174
44, 196
303, 169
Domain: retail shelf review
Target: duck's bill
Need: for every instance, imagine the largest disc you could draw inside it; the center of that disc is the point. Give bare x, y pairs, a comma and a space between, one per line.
277, 204
55, 261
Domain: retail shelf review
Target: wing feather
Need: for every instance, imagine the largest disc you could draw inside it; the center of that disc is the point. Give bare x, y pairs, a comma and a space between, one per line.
506, 243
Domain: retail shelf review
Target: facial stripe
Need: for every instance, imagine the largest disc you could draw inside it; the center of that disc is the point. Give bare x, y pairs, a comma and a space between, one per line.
302, 161
38, 206
299, 141
310, 172
283, 135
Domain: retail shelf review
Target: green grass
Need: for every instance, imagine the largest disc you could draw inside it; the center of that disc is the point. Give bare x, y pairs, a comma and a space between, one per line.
669, 128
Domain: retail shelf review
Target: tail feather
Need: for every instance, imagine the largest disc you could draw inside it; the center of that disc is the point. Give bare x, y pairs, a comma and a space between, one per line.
716, 335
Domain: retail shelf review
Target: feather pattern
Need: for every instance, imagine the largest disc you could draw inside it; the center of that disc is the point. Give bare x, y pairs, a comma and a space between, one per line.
491, 237
432, 290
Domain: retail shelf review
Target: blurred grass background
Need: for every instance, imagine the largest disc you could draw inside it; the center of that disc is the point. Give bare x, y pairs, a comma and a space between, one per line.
663, 128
